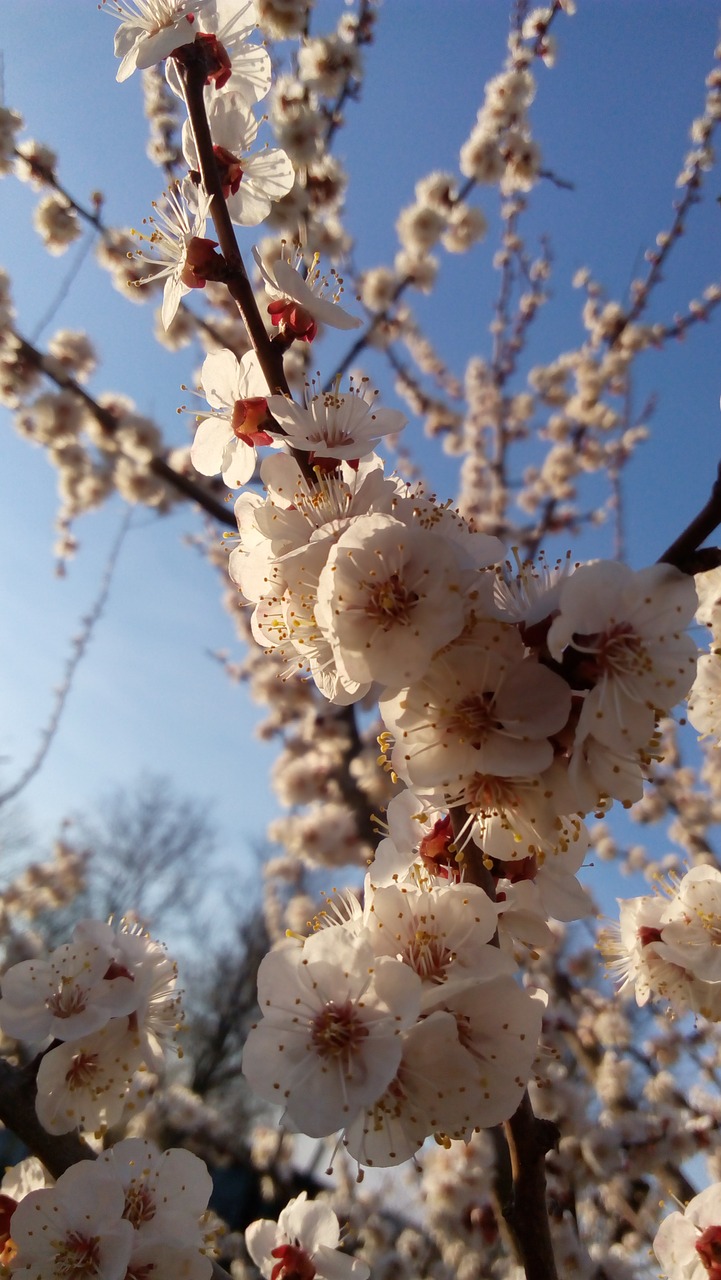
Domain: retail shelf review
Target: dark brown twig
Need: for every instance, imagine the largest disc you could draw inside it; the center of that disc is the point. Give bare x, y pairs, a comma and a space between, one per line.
529, 1140
682, 552
192, 70
109, 422
17, 1113
56, 1151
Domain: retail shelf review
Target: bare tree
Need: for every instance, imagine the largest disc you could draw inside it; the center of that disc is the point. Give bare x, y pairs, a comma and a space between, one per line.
149, 852
222, 1001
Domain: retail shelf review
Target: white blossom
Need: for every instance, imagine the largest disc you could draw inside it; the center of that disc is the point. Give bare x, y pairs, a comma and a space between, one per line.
329, 1042
252, 181
182, 251
480, 708
72, 993
388, 597
85, 1083
75, 1228
237, 66
298, 302
226, 442
334, 425
626, 629
150, 30
305, 1241
688, 1244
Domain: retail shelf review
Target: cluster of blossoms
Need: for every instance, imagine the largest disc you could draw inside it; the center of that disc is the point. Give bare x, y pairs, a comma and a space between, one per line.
243, 417
132, 1213
397, 1020
109, 998
515, 700
237, 76
522, 700
529, 698
667, 944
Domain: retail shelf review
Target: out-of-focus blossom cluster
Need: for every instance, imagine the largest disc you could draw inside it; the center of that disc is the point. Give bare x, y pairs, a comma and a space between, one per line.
109, 997
135, 1211
667, 944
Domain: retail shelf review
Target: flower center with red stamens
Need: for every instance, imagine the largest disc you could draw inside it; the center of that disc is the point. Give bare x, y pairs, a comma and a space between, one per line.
217, 63
708, 1247
200, 261
428, 955
520, 869
82, 1070
139, 1205
616, 652
67, 1001
391, 602
293, 319
247, 419
435, 848
77, 1257
646, 935
487, 794
337, 1031
473, 719
293, 1264
117, 970
231, 170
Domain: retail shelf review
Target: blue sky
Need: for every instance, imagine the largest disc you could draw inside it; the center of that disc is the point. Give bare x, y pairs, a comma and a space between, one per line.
612, 117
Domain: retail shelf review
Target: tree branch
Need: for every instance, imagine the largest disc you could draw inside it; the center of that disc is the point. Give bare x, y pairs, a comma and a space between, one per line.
17, 1112
109, 422
683, 552
526, 1214
520, 1183
80, 644
56, 1151
192, 70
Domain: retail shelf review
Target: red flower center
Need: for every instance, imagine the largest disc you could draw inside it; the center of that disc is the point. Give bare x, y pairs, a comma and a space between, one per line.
199, 257
248, 419
338, 1031
293, 1264
292, 319
217, 63
708, 1247
231, 170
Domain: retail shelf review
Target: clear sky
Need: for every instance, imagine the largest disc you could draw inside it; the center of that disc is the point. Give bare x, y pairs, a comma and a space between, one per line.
612, 117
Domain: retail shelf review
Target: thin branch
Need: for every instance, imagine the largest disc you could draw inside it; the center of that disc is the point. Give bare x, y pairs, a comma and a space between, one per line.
47, 176
192, 70
529, 1140
363, 34
520, 1183
109, 422
564, 184
64, 287
17, 1113
79, 649
681, 553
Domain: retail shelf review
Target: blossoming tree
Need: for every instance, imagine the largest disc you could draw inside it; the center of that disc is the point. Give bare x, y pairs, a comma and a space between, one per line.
459, 714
